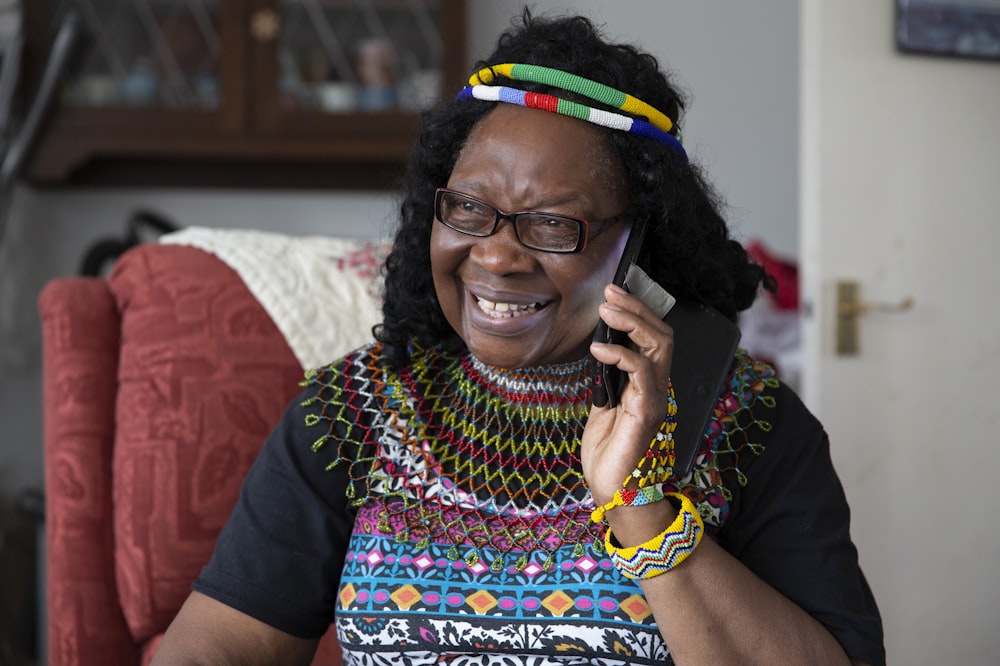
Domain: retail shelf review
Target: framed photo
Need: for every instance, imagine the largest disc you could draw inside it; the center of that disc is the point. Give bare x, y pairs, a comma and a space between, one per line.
966, 28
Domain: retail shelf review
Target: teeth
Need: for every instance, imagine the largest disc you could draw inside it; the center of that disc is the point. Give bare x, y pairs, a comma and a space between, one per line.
501, 310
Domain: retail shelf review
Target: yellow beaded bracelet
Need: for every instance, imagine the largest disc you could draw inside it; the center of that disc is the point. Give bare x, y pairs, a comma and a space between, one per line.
664, 551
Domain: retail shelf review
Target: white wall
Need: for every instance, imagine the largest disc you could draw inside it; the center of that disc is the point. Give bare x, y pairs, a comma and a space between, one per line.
737, 59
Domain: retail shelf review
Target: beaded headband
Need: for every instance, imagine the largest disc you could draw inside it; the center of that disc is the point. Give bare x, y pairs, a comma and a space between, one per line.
658, 127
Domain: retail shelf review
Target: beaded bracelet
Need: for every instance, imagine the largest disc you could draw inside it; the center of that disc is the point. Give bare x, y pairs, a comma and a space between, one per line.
664, 551
628, 497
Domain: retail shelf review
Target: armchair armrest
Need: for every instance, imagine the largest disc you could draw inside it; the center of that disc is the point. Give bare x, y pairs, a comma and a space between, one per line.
80, 332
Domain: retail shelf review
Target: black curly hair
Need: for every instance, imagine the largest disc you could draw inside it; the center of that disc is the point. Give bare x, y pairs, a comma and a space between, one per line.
695, 258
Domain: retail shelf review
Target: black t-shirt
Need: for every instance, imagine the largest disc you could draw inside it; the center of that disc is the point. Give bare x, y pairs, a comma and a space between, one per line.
794, 502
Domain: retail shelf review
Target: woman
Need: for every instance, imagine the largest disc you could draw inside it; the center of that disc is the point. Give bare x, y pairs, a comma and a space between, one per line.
449, 491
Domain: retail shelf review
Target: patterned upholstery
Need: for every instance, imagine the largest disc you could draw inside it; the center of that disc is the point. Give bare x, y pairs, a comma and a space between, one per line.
160, 385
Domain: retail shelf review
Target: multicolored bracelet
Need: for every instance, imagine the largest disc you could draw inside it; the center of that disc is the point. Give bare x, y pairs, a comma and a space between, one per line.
664, 551
628, 497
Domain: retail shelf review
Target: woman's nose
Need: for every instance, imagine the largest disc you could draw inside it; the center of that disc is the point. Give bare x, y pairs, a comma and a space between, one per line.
501, 252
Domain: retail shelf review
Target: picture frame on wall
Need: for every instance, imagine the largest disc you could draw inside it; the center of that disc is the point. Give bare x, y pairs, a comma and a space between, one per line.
963, 28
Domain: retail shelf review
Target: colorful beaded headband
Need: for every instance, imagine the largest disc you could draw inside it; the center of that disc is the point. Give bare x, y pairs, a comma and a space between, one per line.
658, 127
573, 83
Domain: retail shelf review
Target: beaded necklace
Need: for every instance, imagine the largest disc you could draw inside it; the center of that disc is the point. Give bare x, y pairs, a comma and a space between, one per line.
459, 452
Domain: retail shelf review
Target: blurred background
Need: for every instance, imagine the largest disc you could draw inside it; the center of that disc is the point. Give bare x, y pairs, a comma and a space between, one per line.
855, 143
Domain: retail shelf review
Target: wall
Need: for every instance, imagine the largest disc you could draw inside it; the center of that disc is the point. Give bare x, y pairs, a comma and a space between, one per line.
737, 61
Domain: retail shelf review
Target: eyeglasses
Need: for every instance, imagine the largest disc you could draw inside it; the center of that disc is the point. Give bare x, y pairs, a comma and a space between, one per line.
547, 232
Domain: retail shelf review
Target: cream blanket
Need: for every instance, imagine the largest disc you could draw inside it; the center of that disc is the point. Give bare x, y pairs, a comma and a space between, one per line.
323, 293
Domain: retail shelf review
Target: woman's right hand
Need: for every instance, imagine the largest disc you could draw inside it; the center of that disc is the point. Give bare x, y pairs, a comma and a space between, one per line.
615, 439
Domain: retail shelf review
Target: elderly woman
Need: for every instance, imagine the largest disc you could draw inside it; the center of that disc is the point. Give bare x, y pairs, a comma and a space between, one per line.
449, 494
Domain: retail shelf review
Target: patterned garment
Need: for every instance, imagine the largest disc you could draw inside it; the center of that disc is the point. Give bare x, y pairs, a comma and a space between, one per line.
472, 543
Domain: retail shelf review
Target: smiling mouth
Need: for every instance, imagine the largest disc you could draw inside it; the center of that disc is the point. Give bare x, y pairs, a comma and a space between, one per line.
506, 310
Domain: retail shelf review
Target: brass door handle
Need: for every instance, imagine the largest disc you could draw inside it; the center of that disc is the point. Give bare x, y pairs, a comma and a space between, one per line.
265, 25
850, 307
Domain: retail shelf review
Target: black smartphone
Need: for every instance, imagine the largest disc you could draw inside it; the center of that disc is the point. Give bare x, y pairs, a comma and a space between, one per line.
607, 381
705, 342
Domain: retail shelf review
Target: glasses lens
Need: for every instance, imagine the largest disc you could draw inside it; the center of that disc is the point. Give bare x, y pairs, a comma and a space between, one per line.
554, 233
466, 214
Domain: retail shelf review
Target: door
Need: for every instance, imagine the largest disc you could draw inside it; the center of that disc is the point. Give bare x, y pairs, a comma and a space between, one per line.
900, 164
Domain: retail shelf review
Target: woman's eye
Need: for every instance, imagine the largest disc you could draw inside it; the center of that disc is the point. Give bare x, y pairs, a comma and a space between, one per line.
471, 209
555, 223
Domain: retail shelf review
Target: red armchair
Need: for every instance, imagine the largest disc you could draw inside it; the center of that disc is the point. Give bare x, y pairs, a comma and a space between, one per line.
160, 385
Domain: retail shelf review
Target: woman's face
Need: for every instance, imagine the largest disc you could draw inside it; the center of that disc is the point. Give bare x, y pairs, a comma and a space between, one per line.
515, 307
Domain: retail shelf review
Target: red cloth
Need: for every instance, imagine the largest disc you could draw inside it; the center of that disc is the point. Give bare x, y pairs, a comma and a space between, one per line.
784, 271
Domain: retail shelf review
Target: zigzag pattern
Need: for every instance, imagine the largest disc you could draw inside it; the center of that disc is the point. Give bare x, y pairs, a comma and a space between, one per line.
661, 553
488, 445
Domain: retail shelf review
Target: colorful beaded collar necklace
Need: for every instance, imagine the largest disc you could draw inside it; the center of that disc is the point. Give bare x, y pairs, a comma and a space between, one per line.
468, 456
657, 127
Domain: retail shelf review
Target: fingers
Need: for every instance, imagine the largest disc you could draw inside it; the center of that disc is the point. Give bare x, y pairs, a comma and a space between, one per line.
645, 376
647, 358
648, 334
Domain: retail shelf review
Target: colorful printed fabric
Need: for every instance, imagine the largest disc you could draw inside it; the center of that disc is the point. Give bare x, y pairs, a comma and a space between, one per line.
473, 537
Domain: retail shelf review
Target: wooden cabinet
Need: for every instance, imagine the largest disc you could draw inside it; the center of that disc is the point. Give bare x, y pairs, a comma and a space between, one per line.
243, 93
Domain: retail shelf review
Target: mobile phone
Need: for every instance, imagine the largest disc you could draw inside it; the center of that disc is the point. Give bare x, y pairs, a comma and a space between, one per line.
607, 381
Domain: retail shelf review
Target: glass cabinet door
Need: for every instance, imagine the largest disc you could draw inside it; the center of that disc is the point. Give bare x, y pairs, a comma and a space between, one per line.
146, 53
359, 55
322, 59
233, 86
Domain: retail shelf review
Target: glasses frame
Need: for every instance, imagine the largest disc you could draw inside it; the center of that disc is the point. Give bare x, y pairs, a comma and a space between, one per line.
582, 225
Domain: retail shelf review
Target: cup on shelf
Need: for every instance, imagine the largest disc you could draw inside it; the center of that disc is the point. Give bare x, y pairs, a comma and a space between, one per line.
336, 96
93, 90
376, 69
420, 90
140, 85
